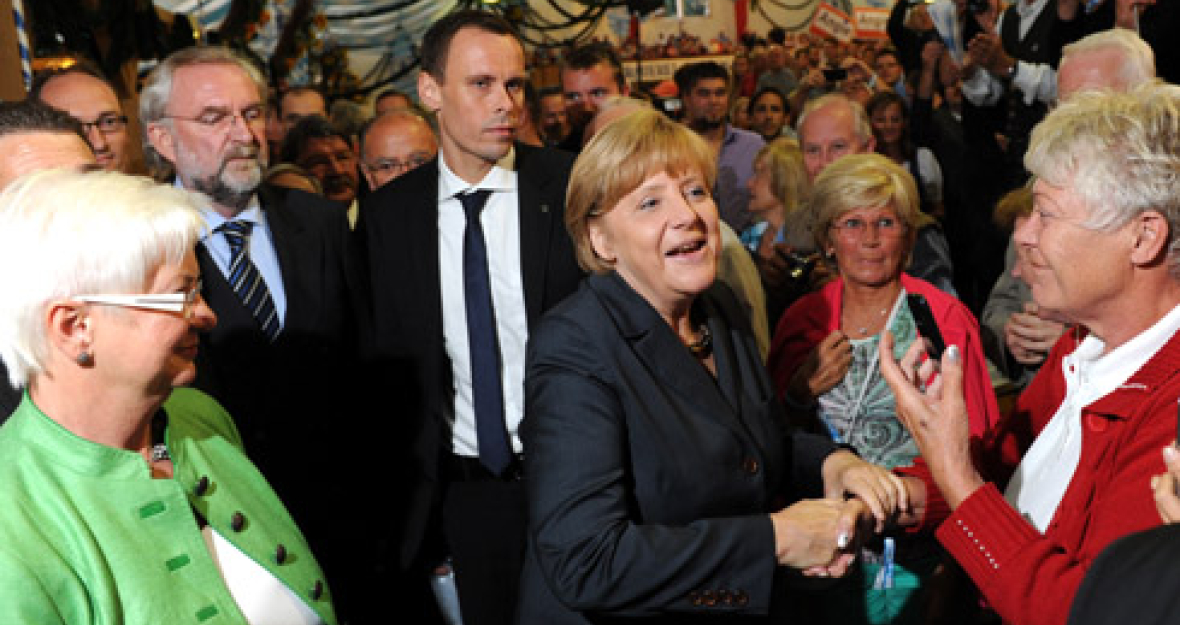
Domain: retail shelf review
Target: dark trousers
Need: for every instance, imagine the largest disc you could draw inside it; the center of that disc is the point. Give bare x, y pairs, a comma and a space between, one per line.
485, 523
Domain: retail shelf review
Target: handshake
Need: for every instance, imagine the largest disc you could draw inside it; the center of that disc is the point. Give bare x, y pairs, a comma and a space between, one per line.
821, 536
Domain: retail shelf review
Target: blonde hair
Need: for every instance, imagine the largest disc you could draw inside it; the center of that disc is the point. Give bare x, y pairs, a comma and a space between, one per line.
863, 181
1013, 205
788, 176
617, 161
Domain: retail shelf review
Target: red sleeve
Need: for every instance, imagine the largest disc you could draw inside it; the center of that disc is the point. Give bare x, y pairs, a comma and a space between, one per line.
996, 452
1030, 578
803, 326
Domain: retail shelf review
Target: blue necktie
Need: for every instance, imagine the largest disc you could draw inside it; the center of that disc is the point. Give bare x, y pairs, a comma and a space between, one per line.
246, 281
494, 450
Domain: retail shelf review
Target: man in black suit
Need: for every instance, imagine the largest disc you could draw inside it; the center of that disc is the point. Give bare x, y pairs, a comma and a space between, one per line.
455, 350
276, 271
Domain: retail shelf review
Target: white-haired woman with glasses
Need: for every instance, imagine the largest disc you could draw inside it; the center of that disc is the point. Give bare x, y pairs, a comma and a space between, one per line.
126, 499
824, 359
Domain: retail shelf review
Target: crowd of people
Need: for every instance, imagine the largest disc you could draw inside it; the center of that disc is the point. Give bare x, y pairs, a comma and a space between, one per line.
495, 354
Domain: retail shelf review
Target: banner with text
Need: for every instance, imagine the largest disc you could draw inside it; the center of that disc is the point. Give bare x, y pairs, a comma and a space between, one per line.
871, 22
831, 22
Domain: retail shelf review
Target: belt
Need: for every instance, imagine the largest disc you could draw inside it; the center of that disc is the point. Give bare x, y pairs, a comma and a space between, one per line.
470, 469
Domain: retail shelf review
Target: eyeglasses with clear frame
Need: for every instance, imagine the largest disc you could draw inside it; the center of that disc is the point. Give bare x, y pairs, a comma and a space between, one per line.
218, 119
181, 303
856, 227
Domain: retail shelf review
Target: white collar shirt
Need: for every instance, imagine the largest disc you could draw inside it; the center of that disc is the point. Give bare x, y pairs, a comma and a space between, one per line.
500, 219
1040, 481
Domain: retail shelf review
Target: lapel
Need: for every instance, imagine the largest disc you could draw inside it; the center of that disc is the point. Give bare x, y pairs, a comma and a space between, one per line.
539, 204
220, 296
660, 351
419, 216
299, 252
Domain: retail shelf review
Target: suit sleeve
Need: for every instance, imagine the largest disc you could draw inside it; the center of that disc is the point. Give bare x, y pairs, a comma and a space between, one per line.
592, 546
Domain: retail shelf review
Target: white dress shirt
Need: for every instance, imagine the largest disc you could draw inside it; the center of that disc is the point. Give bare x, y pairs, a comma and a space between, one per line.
1035, 81
501, 227
1047, 468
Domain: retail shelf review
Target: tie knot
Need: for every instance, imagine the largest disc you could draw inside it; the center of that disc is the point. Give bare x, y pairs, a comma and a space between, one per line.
236, 232
239, 227
473, 202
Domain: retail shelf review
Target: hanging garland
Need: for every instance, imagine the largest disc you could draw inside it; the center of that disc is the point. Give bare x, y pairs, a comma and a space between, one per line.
800, 25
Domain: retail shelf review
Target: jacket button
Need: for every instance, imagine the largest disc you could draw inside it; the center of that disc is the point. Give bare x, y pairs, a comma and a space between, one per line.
1096, 423
750, 465
237, 522
317, 590
740, 597
280, 554
202, 486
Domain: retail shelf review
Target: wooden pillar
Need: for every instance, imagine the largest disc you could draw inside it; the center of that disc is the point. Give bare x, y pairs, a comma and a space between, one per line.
12, 85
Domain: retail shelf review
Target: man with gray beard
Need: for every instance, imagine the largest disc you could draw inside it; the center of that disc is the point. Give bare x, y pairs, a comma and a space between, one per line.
276, 270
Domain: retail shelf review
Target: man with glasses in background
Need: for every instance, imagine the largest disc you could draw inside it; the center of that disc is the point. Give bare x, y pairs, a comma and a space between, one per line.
86, 95
393, 144
276, 272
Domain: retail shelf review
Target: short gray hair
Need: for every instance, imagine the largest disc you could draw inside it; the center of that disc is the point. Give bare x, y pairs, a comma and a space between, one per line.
55, 225
1138, 64
157, 87
1119, 152
860, 119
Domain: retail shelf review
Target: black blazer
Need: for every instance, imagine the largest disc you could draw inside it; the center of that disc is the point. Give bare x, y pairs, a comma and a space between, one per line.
285, 396
649, 480
399, 227
1135, 580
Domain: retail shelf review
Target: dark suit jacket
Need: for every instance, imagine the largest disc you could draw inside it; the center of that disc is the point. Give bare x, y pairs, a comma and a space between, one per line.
399, 225
648, 480
1135, 580
286, 396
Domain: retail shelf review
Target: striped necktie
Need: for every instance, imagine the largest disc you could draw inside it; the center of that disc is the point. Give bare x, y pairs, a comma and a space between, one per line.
245, 280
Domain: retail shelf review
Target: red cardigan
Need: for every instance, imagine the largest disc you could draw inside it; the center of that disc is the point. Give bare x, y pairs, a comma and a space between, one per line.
1031, 578
816, 315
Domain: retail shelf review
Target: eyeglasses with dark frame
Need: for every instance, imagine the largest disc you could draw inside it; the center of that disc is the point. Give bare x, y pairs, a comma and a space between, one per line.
107, 124
392, 165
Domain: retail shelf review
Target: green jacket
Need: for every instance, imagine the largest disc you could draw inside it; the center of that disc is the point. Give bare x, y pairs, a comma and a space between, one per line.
88, 537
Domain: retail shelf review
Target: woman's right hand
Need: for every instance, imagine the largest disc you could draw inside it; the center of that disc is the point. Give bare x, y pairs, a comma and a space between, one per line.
818, 534
825, 366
